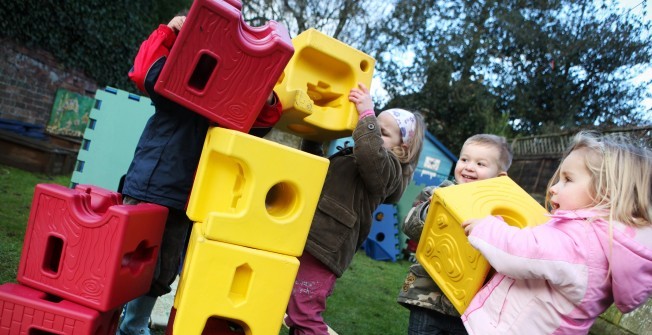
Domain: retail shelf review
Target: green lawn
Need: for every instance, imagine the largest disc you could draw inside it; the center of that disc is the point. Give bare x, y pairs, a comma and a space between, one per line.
364, 300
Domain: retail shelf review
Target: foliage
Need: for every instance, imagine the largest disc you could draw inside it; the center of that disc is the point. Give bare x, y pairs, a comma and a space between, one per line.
98, 37
16, 190
515, 68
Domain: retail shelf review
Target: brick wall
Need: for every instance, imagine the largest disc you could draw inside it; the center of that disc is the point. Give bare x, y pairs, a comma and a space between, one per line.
29, 79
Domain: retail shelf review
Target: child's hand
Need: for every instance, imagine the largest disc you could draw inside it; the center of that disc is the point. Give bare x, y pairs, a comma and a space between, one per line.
176, 23
361, 98
468, 225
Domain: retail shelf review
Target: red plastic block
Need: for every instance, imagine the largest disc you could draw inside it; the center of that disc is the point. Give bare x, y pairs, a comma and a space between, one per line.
99, 259
222, 68
26, 311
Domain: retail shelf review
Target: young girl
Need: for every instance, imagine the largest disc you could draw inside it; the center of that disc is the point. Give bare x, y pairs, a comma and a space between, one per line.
376, 170
557, 278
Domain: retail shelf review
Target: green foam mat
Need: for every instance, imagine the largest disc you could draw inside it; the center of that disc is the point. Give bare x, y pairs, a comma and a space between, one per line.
115, 125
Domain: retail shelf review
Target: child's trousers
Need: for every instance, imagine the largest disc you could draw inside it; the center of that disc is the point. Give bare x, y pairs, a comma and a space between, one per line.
313, 285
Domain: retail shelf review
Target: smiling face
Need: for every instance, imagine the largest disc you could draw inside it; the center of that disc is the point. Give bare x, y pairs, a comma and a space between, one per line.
477, 162
389, 130
574, 189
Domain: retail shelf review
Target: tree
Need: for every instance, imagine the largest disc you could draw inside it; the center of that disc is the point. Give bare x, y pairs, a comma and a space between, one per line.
541, 65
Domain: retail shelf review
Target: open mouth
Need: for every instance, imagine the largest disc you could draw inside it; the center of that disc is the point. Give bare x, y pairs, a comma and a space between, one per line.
465, 176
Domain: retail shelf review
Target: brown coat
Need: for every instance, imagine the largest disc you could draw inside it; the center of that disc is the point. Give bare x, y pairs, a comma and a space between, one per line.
354, 187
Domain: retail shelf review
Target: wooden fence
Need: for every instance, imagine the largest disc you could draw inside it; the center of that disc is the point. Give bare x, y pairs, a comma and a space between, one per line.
537, 157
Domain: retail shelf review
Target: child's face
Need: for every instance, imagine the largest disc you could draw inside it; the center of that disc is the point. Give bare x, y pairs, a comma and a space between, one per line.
477, 162
573, 190
389, 130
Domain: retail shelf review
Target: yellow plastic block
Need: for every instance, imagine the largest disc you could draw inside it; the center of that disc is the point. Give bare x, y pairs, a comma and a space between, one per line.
444, 251
247, 286
256, 193
315, 85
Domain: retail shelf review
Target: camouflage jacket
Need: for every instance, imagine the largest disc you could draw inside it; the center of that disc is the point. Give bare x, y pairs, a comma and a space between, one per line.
418, 288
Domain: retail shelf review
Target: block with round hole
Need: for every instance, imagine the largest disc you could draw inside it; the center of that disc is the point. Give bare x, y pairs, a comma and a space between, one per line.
256, 193
444, 251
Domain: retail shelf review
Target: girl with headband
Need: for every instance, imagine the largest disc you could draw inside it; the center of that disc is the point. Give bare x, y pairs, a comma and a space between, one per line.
376, 170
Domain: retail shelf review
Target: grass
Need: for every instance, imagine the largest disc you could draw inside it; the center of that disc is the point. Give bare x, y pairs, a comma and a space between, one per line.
16, 190
363, 302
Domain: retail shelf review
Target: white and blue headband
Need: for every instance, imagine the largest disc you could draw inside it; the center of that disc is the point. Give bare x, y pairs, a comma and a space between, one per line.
406, 123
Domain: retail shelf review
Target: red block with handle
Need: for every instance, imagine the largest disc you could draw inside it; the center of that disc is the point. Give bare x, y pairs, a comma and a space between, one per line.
26, 311
84, 246
222, 68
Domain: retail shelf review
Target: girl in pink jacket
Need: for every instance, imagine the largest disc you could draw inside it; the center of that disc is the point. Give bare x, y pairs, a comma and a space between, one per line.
595, 250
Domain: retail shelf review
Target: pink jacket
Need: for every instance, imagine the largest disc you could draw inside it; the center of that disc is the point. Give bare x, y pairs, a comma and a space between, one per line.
557, 278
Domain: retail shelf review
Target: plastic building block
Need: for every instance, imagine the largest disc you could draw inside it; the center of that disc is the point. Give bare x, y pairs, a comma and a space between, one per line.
256, 193
26, 311
105, 155
98, 259
382, 242
214, 326
315, 87
245, 286
444, 251
222, 68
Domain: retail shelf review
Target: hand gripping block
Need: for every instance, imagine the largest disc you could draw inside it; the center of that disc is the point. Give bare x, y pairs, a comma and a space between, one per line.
26, 311
83, 246
241, 285
314, 89
222, 68
444, 251
256, 193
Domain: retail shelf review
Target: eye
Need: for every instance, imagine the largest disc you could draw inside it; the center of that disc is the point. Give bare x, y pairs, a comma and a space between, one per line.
463, 160
481, 164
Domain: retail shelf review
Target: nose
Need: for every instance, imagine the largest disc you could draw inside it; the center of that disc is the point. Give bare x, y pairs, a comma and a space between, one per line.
553, 188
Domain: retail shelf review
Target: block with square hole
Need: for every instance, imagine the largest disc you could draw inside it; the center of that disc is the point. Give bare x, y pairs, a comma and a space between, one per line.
84, 246
222, 68
315, 85
248, 184
444, 251
246, 287
27, 311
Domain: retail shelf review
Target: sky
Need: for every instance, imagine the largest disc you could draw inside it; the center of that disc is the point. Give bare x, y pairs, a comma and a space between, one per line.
638, 7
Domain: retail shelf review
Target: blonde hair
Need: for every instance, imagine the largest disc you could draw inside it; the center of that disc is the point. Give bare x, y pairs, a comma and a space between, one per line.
505, 153
408, 155
620, 173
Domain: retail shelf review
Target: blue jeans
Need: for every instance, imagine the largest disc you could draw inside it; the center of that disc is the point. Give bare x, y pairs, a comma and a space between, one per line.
425, 321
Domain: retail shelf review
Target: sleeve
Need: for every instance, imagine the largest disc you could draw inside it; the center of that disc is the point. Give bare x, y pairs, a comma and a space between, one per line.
541, 252
268, 117
379, 169
157, 46
414, 220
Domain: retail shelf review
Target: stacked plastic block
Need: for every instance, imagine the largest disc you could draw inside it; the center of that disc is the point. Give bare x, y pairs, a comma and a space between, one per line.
84, 256
222, 68
315, 86
444, 251
252, 203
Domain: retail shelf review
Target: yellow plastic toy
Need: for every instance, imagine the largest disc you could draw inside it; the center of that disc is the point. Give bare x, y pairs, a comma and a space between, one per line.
315, 85
256, 193
243, 285
444, 251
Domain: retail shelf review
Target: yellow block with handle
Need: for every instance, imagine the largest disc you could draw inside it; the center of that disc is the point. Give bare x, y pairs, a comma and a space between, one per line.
314, 87
444, 251
246, 286
256, 193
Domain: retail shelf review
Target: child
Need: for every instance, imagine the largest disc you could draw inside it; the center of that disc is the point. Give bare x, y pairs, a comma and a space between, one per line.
376, 170
596, 249
483, 156
163, 167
